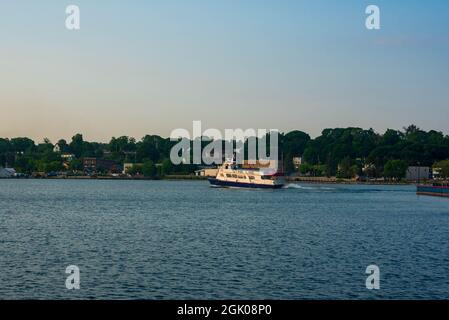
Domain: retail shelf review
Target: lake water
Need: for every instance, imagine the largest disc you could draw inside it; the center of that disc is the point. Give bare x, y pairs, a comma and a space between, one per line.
185, 240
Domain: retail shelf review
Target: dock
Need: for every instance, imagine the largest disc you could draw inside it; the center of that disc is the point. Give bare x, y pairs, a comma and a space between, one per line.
433, 190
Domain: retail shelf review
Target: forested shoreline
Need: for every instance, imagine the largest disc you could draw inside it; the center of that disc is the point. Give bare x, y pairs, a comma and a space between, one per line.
341, 152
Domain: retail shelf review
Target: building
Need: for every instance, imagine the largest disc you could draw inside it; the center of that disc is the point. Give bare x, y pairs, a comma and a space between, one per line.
259, 164
297, 162
369, 169
128, 166
95, 165
207, 172
418, 173
436, 173
7, 173
106, 152
67, 156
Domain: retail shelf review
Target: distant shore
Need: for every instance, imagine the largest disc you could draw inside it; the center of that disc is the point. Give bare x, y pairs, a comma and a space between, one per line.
171, 177
334, 180
307, 180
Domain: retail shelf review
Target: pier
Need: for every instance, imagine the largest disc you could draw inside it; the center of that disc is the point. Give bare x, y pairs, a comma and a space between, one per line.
433, 190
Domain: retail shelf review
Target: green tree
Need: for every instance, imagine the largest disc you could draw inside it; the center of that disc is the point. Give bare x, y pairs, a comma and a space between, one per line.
76, 165
76, 146
64, 147
148, 148
136, 169
317, 170
5, 145
305, 168
25, 164
347, 169
395, 169
149, 169
167, 167
22, 145
292, 145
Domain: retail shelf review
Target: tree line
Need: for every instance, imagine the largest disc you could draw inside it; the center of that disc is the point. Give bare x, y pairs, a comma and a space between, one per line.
341, 152
346, 152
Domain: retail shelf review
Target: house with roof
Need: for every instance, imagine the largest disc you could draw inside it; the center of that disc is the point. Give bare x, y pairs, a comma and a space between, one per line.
7, 172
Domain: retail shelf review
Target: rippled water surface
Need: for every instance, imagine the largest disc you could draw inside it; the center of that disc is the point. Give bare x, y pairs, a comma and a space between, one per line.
184, 240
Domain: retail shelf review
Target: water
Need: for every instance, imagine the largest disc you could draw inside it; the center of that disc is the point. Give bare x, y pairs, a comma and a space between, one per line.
184, 240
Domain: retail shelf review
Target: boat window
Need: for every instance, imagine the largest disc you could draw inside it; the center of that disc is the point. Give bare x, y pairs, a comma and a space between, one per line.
241, 177
234, 176
228, 175
266, 177
251, 177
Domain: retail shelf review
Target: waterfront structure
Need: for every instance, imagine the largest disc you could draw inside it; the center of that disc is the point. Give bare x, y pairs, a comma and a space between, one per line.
95, 165
128, 166
7, 173
436, 173
207, 172
67, 156
297, 161
258, 164
414, 173
436, 190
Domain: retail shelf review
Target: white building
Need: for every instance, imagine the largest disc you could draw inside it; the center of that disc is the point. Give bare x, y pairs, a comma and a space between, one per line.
128, 166
436, 172
7, 172
368, 167
417, 173
67, 156
297, 161
207, 172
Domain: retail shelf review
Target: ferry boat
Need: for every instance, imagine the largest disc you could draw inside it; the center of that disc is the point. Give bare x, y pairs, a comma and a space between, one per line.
230, 175
436, 190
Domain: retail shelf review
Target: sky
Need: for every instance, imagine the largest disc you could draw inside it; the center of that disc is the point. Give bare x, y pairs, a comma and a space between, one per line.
149, 67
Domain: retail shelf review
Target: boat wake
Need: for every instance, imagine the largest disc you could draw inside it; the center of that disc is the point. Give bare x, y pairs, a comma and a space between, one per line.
308, 188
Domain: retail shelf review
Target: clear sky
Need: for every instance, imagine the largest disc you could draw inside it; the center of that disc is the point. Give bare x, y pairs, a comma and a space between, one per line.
148, 67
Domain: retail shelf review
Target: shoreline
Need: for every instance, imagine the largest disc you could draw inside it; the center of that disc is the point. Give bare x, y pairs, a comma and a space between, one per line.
309, 180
